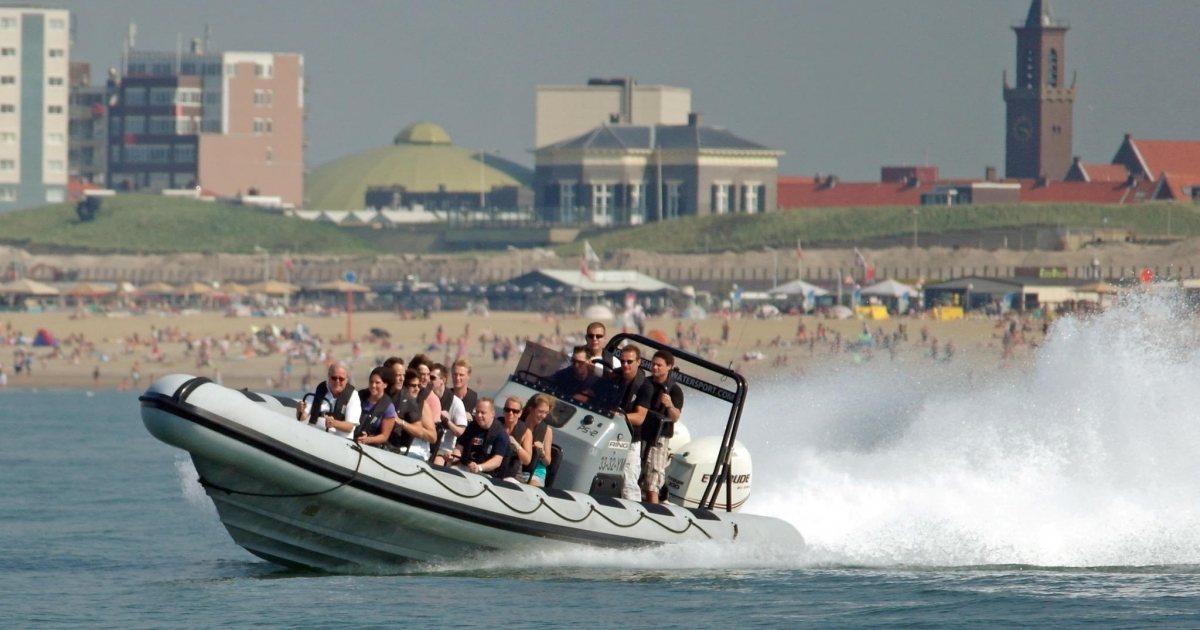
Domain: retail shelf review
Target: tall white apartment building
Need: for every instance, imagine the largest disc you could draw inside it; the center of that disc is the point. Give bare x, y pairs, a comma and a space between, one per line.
35, 49
562, 112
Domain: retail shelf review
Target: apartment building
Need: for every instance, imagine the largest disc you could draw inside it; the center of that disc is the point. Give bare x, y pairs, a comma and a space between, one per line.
34, 56
562, 112
231, 123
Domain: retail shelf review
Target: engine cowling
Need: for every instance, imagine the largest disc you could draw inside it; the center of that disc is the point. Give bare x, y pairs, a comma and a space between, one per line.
692, 465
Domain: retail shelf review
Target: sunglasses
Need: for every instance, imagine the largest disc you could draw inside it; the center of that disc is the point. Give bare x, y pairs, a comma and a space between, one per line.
337, 379
413, 384
629, 361
593, 336
511, 410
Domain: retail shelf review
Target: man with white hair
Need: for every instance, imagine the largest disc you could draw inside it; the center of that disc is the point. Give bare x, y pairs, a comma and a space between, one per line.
336, 406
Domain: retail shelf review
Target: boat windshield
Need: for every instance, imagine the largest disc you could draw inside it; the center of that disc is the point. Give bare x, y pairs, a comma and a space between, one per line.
550, 371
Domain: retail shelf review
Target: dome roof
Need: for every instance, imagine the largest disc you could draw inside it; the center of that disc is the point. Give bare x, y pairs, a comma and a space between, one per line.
422, 159
422, 133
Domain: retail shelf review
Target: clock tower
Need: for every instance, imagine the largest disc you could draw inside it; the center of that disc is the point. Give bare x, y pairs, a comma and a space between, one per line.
1040, 107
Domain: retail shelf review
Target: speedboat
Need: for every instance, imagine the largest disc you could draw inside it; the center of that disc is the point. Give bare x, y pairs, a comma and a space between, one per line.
300, 497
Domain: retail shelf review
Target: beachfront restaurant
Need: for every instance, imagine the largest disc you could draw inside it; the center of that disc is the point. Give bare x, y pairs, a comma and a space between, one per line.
998, 295
571, 290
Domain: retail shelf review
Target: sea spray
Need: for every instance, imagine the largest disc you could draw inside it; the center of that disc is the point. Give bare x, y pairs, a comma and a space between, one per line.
1086, 458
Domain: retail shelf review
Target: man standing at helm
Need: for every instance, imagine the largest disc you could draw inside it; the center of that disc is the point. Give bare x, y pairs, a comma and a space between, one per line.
666, 403
634, 402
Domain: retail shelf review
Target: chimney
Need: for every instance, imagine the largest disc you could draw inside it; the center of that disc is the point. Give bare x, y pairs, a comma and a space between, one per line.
694, 119
989, 173
197, 47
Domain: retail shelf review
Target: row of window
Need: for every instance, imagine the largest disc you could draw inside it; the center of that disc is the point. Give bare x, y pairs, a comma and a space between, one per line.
163, 96
191, 68
603, 197
11, 51
53, 195
9, 108
54, 24
159, 153
54, 166
53, 138
9, 79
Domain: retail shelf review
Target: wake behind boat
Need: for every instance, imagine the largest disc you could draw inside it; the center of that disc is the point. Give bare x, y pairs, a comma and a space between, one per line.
305, 498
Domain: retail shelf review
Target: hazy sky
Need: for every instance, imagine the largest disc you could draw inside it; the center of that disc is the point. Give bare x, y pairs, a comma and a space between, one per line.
842, 86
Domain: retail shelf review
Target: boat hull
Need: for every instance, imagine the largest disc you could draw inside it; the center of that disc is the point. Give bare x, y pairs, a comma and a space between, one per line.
300, 497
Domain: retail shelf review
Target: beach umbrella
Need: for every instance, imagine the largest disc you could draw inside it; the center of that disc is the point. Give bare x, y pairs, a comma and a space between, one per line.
233, 288
25, 286
341, 286
273, 287
795, 287
598, 312
157, 287
658, 336
840, 312
194, 288
87, 289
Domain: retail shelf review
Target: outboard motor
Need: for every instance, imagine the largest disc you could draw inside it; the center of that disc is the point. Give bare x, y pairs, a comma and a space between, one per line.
692, 465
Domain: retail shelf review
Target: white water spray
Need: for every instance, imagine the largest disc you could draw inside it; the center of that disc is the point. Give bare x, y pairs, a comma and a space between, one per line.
1088, 459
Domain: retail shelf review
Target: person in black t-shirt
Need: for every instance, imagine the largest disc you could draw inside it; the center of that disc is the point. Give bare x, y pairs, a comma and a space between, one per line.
666, 402
482, 447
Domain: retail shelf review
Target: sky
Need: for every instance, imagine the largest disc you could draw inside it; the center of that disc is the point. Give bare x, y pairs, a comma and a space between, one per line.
840, 86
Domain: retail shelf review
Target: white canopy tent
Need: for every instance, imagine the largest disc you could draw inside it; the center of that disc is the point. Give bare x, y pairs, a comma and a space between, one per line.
890, 289
798, 287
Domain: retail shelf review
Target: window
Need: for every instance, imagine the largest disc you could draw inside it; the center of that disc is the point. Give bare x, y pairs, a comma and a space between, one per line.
8, 51
8, 79
56, 139
8, 165
1053, 68
8, 22
55, 195
720, 198
161, 70
231, 69
162, 96
8, 194
57, 24
135, 96
54, 166
264, 70
54, 109
270, 157
185, 154
602, 197
8, 137
1029, 62
751, 198
674, 200
55, 52
263, 98
135, 124
566, 195
7, 108
55, 80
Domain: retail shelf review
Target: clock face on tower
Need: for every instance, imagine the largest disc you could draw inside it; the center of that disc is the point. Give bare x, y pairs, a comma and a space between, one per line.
1022, 129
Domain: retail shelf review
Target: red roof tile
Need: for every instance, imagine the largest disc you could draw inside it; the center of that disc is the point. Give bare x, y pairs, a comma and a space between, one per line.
1097, 172
807, 192
1177, 156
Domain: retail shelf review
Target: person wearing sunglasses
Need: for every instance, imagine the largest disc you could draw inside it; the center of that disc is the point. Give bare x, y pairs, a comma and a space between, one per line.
577, 379
335, 405
520, 441
635, 400
594, 342
415, 429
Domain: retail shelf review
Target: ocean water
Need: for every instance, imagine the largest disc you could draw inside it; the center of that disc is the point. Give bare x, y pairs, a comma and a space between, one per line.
929, 495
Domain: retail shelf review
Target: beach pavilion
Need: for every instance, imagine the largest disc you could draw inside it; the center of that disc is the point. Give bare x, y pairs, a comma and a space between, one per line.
571, 288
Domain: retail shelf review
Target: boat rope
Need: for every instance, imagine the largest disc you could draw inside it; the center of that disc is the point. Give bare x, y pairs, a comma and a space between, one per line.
541, 503
358, 464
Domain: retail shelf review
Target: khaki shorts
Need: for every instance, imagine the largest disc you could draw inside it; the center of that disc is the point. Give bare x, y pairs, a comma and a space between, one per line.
656, 466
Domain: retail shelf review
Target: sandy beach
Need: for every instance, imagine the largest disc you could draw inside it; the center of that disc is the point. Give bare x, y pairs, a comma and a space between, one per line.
118, 351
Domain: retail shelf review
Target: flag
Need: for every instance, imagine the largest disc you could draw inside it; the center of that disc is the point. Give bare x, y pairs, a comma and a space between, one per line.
859, 259
589, 254
583, 268
799, 249
869, 274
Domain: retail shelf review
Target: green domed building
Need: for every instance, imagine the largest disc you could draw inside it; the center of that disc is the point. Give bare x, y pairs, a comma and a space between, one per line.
422, 166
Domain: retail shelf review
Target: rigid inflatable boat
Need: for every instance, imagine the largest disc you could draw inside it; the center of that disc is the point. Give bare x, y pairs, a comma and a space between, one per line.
297, 496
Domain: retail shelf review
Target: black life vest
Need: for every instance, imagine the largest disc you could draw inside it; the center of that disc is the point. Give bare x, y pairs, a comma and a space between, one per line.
539, 435
339, 405
408, 409
373, 416
628, 397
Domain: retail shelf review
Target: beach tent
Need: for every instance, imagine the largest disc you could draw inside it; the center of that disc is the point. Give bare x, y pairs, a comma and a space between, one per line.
599, 312
233, 288
890, 289
798, 287
43, 338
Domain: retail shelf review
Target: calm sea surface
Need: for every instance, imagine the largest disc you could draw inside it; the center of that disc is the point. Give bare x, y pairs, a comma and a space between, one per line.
1065, 495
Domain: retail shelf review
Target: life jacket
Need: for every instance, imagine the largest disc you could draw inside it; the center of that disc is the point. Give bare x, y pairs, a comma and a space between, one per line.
408, 409
539, 435
628, 396
339, 405
371, 417
512, 464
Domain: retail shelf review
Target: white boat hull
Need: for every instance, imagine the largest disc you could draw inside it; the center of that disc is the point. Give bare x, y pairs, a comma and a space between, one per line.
297, 496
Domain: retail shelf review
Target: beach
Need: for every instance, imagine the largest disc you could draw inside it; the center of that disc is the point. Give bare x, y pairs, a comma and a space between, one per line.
104, 351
